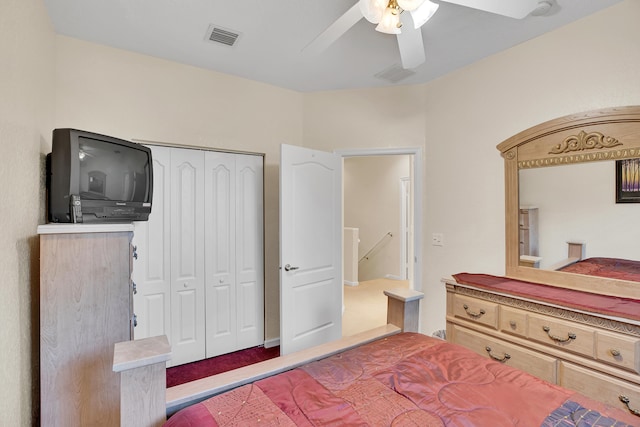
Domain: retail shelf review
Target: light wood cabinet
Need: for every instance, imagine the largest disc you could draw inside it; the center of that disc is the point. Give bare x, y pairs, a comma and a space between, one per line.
619, 350
482, 312
594, 383
595, 355
563, 335
85, 308
538, 364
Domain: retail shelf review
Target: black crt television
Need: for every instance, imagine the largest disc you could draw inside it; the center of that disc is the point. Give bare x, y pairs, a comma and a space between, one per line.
95, 178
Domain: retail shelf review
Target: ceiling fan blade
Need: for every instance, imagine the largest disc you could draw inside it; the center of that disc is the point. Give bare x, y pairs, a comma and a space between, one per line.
410, 44
517, 9
334, 31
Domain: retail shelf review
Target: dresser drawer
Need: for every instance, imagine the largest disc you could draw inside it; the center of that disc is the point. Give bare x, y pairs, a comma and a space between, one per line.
599, 386
561, 334
619, 350
513, 321
476, 310
537, 364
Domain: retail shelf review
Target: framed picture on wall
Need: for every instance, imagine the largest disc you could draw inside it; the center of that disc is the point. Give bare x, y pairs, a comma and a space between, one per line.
628, 181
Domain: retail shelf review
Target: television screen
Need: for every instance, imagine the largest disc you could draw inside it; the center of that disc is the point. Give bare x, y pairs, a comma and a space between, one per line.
111, 172
98, 178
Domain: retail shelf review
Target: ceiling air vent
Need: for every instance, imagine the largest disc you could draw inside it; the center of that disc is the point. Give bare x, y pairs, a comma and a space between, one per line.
216, 34
394, 74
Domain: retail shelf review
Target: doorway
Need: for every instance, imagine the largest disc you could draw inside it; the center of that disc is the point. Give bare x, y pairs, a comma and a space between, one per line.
381, 183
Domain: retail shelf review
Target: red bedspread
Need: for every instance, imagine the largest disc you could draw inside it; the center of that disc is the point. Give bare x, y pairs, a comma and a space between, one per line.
404, 380
613, 268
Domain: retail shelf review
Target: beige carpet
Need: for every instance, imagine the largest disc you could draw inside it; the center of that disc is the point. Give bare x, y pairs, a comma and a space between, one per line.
365, 305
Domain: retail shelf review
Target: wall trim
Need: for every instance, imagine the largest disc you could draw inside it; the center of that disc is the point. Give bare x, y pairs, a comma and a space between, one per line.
273, 342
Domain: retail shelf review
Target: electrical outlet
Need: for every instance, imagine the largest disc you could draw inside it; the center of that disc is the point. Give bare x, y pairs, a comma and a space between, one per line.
437, 239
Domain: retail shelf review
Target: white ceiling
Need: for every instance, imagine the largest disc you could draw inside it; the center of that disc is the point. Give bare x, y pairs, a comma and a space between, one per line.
273, 34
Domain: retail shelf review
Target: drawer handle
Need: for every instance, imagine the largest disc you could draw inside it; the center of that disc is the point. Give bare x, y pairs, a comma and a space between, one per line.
615, 353
624, 399
570, 335
503, 359
473, 313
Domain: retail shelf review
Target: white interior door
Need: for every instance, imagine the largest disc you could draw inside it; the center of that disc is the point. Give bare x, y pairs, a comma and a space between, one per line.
310, 248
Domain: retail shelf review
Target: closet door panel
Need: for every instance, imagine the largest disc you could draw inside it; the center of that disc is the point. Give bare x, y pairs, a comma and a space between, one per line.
250, 250
187, 256
220, 244
221, 324
186, 317
248, 316
151, 272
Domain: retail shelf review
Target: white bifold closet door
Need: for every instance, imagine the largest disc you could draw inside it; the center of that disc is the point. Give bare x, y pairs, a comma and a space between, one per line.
234, 252
152, 256
168, 268
187, 256
200, 269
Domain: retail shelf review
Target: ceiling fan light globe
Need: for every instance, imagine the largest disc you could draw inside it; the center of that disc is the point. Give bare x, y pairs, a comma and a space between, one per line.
423, 13
388, 30
410, 4
390, 22
372, 10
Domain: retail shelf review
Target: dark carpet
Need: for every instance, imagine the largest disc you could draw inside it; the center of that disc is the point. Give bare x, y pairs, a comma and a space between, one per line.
203, 368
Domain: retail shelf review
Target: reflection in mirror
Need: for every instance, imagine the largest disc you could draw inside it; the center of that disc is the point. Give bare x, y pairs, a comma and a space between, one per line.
577, 203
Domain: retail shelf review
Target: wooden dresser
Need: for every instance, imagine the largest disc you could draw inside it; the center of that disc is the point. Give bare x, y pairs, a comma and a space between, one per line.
596, 355
85, 308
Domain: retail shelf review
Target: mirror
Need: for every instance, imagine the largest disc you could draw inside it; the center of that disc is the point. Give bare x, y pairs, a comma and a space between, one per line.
566, 169
577, 203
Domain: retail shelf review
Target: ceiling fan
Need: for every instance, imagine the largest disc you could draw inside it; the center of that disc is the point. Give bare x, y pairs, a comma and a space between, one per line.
404, 18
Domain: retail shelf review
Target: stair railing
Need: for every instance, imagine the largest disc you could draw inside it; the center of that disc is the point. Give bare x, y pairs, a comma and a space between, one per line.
378, 244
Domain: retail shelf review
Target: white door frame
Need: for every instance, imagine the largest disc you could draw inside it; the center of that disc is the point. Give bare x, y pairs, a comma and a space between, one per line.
416, 152
405, 227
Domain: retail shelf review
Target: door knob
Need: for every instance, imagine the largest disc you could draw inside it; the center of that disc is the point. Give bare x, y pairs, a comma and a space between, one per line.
289, 268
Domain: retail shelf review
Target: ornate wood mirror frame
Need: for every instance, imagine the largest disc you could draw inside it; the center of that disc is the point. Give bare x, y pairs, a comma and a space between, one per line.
607, 134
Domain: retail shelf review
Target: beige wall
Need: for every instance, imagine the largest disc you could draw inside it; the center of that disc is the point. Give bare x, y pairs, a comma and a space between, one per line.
27, 53
372, 199
460, 118
133, 96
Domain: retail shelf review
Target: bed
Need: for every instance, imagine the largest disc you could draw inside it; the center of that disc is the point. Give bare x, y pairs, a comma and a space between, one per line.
389, 376
404, 379
613, 268
605, 267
